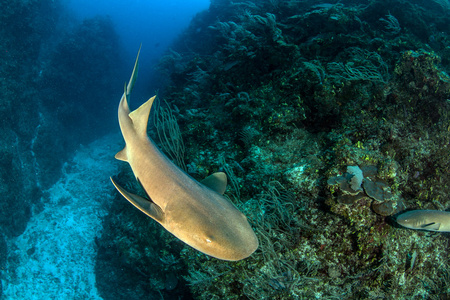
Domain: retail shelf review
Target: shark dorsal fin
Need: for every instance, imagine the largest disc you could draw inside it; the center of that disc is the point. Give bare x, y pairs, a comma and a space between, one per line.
139, 117
147, 207
217, 182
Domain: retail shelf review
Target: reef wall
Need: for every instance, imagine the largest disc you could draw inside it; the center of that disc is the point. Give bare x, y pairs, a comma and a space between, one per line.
57, 79
285, 96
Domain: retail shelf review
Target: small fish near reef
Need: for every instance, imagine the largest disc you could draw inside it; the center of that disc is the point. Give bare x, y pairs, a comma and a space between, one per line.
430, 220
196, 213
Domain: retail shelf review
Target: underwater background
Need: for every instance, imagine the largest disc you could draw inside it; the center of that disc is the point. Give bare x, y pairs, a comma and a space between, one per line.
288, 97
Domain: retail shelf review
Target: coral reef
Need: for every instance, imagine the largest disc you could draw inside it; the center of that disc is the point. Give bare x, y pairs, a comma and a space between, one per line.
283, 96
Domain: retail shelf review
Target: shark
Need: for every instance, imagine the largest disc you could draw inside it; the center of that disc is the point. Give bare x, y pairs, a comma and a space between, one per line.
195, 212
429, 220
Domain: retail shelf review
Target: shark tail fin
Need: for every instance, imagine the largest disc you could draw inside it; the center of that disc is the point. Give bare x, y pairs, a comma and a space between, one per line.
140, 117
133, 74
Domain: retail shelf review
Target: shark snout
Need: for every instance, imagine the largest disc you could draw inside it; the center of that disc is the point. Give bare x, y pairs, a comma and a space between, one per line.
239, 247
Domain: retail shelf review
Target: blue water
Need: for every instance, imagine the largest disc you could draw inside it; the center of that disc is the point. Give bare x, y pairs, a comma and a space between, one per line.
154, 23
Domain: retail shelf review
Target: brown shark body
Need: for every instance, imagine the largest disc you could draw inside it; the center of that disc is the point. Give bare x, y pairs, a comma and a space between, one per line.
194, 212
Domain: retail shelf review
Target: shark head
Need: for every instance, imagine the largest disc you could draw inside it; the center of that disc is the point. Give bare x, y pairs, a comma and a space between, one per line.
222, 232
411, 220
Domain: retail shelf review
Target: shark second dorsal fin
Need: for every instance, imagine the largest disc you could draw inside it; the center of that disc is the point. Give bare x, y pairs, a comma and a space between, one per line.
216, 181
146, 206
140, 117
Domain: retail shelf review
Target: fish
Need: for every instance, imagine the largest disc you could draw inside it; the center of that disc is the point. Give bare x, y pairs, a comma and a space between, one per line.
430, 220
195, 212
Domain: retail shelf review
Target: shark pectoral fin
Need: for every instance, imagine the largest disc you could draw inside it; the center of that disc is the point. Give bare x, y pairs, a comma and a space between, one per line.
216, 181
431, 226
122, 155
147, 207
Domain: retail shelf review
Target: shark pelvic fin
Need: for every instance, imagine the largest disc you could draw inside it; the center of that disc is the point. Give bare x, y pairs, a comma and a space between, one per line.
146, 206
140, 117
122, 155
216, 181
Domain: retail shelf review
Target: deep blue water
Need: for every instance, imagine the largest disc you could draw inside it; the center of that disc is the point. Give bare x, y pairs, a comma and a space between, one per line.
154, 23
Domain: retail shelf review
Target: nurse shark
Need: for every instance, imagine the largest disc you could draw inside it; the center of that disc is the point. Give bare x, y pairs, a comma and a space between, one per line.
196, 213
